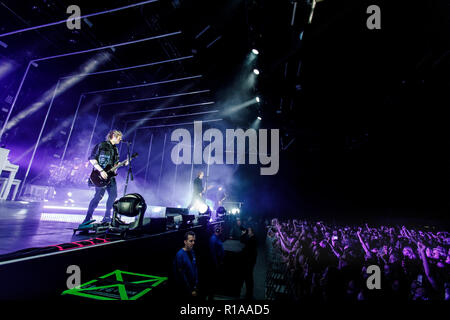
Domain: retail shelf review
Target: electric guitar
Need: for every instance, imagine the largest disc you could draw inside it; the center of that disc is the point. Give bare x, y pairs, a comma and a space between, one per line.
206, 189
220, 202
97, 179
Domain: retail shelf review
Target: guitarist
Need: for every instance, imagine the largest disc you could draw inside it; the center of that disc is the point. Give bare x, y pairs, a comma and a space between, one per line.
220, 197
198, 190
105, 153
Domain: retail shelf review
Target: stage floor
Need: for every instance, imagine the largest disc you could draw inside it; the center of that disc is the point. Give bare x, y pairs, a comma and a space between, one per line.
27, 225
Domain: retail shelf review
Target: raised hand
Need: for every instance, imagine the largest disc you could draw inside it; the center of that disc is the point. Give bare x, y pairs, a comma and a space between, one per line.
420, 247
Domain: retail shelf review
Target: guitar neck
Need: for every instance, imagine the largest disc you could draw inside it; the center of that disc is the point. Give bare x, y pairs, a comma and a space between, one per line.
120, 164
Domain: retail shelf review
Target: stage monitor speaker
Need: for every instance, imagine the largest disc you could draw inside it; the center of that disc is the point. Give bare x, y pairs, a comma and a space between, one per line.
170, 220
176, 211
188, 221
203, 220
155, 225
188, 217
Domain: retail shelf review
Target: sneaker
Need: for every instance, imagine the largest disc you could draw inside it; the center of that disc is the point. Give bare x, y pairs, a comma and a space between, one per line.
106, 220
87, 221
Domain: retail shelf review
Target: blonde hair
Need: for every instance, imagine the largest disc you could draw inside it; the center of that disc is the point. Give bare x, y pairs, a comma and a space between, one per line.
113, 133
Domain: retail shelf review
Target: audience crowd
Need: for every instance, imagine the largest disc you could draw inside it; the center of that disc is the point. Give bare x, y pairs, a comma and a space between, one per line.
329, 262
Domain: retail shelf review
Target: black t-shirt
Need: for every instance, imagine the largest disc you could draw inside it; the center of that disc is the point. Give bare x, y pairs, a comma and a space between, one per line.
198, 186
105, 153
220, 195
250, 250
189, 253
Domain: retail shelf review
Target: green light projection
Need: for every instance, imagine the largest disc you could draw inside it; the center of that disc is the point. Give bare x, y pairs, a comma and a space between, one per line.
117, 285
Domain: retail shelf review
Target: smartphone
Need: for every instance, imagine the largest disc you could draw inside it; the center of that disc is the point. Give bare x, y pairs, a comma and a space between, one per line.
419, 279
334, 237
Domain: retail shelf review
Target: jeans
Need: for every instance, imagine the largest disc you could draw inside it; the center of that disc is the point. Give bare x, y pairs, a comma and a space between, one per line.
195, 198
248, 279
99, 193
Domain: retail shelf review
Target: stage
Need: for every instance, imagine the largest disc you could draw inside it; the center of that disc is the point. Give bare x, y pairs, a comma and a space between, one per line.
38, 257
22, 225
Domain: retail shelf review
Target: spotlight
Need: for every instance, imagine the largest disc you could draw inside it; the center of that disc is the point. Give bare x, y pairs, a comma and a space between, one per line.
235, 211
259, 118
69, 194
156, 209
258, 99
221, 211
130, 205
89, 23
202, 208
255, 51
256, 71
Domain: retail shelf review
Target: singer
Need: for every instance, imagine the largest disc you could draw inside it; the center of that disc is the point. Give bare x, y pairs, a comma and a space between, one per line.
105, 153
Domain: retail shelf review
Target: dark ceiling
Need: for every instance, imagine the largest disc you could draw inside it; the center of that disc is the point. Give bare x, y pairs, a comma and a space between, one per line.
337, 59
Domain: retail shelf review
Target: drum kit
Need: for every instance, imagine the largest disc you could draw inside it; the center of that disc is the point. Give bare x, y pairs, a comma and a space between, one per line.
71, 172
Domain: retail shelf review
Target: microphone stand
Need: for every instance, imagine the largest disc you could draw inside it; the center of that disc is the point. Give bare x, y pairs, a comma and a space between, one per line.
130, 172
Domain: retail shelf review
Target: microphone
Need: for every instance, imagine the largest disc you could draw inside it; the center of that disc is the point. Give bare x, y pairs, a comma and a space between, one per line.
127, 142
